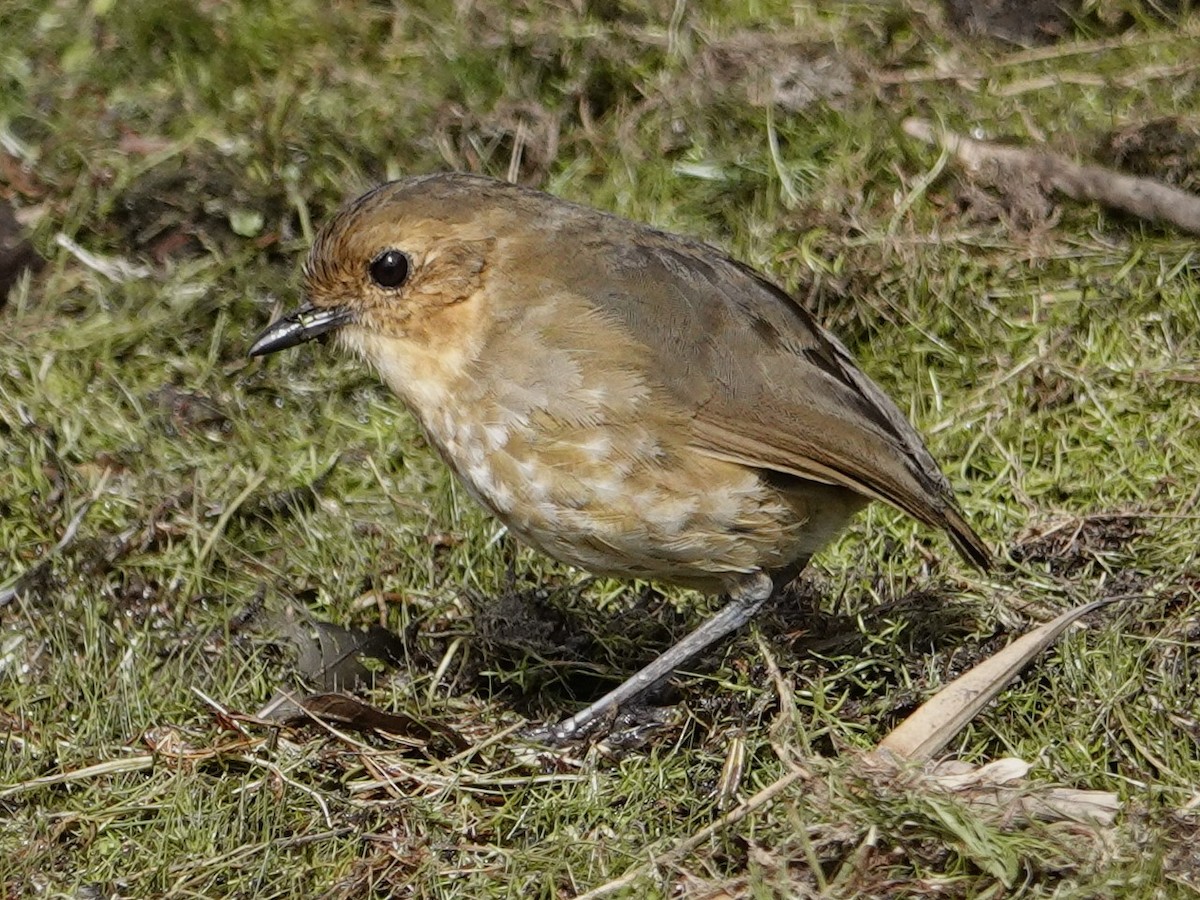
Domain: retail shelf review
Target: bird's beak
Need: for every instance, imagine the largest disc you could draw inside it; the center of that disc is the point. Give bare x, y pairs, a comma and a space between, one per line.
305, 324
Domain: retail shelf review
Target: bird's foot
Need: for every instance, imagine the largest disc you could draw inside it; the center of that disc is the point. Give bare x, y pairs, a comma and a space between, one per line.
616, 731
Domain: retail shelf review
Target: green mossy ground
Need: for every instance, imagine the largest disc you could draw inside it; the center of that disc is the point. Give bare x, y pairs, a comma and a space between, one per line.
1047, 349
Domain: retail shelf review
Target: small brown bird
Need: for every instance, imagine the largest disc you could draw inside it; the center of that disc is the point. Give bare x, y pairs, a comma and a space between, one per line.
628, 401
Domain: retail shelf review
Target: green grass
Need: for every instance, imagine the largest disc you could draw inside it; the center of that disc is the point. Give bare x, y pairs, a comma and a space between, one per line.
1048, 351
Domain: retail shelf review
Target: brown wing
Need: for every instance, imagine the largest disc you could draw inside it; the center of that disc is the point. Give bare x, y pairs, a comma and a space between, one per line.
770, 388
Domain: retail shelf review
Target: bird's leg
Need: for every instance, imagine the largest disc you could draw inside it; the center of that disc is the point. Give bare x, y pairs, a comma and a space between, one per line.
744, 601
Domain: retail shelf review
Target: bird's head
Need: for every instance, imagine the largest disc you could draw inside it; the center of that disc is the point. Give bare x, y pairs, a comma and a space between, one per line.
400, 276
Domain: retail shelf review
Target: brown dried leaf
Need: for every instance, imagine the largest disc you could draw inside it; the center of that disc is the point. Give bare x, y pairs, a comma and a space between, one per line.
928, 730
350, 712
331, 657
1001, 786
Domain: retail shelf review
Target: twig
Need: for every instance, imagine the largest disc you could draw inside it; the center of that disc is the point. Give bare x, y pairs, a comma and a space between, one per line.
99, 770
227, 717
1090, 79
113, 268
783, 688
275, 770
1146, 198
1055, 52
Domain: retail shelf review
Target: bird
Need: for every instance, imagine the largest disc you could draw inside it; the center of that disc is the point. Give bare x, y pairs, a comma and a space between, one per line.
631, 402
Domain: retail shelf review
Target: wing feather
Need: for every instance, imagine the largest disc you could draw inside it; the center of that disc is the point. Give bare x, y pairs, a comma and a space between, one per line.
766, 385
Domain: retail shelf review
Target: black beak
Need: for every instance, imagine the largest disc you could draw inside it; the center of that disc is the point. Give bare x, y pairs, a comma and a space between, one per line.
305, 324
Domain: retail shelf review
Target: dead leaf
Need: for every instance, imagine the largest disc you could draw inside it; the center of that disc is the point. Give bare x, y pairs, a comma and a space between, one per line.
350, 712
936, 723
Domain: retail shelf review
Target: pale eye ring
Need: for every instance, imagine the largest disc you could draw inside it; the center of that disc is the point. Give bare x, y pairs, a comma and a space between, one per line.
390, 268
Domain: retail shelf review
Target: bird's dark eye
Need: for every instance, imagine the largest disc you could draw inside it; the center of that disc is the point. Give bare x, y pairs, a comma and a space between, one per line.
389, 269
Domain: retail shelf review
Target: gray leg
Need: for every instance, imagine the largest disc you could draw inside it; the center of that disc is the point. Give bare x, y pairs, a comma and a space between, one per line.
744, 601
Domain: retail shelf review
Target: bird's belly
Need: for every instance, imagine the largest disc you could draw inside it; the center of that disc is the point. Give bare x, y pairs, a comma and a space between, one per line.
623, 501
